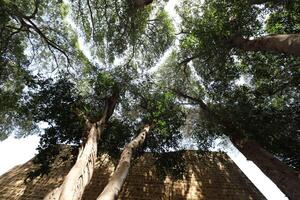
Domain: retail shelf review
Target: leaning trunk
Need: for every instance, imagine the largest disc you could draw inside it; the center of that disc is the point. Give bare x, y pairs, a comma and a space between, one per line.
112, 189
281, 43
81, 173
287, 179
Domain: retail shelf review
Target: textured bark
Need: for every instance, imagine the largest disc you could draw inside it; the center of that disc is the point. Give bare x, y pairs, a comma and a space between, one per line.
281, 43
114, 186
287, 179
81, 173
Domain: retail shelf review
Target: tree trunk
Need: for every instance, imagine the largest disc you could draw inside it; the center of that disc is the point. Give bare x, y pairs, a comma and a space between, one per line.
114, 186
142, 3
259, 2
81, 173
287, 179
281, 43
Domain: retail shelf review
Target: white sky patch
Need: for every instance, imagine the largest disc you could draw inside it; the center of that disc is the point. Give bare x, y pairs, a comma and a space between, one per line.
17, 151
240, 81
243, 80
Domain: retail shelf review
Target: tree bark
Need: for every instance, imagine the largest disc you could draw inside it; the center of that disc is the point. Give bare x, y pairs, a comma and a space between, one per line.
142, 3
81, 173
259, 2
114, 186
281, 43
286, 178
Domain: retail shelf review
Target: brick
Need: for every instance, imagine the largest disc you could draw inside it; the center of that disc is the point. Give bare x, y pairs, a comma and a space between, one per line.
212, 176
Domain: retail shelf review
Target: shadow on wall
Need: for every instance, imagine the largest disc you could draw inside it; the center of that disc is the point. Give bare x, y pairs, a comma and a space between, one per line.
16, 183
14, 186
210, 176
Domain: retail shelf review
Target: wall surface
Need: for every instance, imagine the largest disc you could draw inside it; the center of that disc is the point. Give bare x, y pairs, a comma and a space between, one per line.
212, 176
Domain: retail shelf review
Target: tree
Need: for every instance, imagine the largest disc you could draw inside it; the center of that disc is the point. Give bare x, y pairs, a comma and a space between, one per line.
125, 39
162, 119
259, 115
288, 43
227, 29
56, 106
121, 31
141, 3
254, 117
112, 189
60, 105
206, 42
253, 151
134, 40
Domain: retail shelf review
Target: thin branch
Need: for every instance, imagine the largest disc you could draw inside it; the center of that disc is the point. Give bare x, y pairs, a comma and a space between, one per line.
92, 19
47, 40
187, 60
36, 8
54, 56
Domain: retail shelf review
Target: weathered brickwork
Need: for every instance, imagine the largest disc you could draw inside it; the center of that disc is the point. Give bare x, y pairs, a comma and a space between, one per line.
210, 177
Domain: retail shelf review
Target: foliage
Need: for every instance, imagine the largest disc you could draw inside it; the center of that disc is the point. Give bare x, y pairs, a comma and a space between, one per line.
116, 135
119, 30
259, 106
284, 19
46, 76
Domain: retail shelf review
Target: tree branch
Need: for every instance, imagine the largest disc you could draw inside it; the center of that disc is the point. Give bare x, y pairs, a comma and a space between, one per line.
92, 19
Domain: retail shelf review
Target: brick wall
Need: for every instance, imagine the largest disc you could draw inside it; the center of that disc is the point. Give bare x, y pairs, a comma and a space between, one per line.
212, 177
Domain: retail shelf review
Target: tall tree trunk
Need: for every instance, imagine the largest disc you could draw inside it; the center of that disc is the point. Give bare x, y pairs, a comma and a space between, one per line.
81, 173
286, 178
281, 43
114, 186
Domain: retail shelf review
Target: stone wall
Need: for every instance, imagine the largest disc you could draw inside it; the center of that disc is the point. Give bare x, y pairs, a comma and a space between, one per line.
212, 176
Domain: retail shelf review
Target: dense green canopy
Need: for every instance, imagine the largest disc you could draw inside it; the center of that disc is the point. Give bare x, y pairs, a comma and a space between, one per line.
61, 61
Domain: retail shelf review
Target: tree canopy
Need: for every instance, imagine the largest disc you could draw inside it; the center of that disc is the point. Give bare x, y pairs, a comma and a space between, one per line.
225, 68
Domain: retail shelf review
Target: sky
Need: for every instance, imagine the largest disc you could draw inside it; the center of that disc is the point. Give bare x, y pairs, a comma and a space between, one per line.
17, 151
